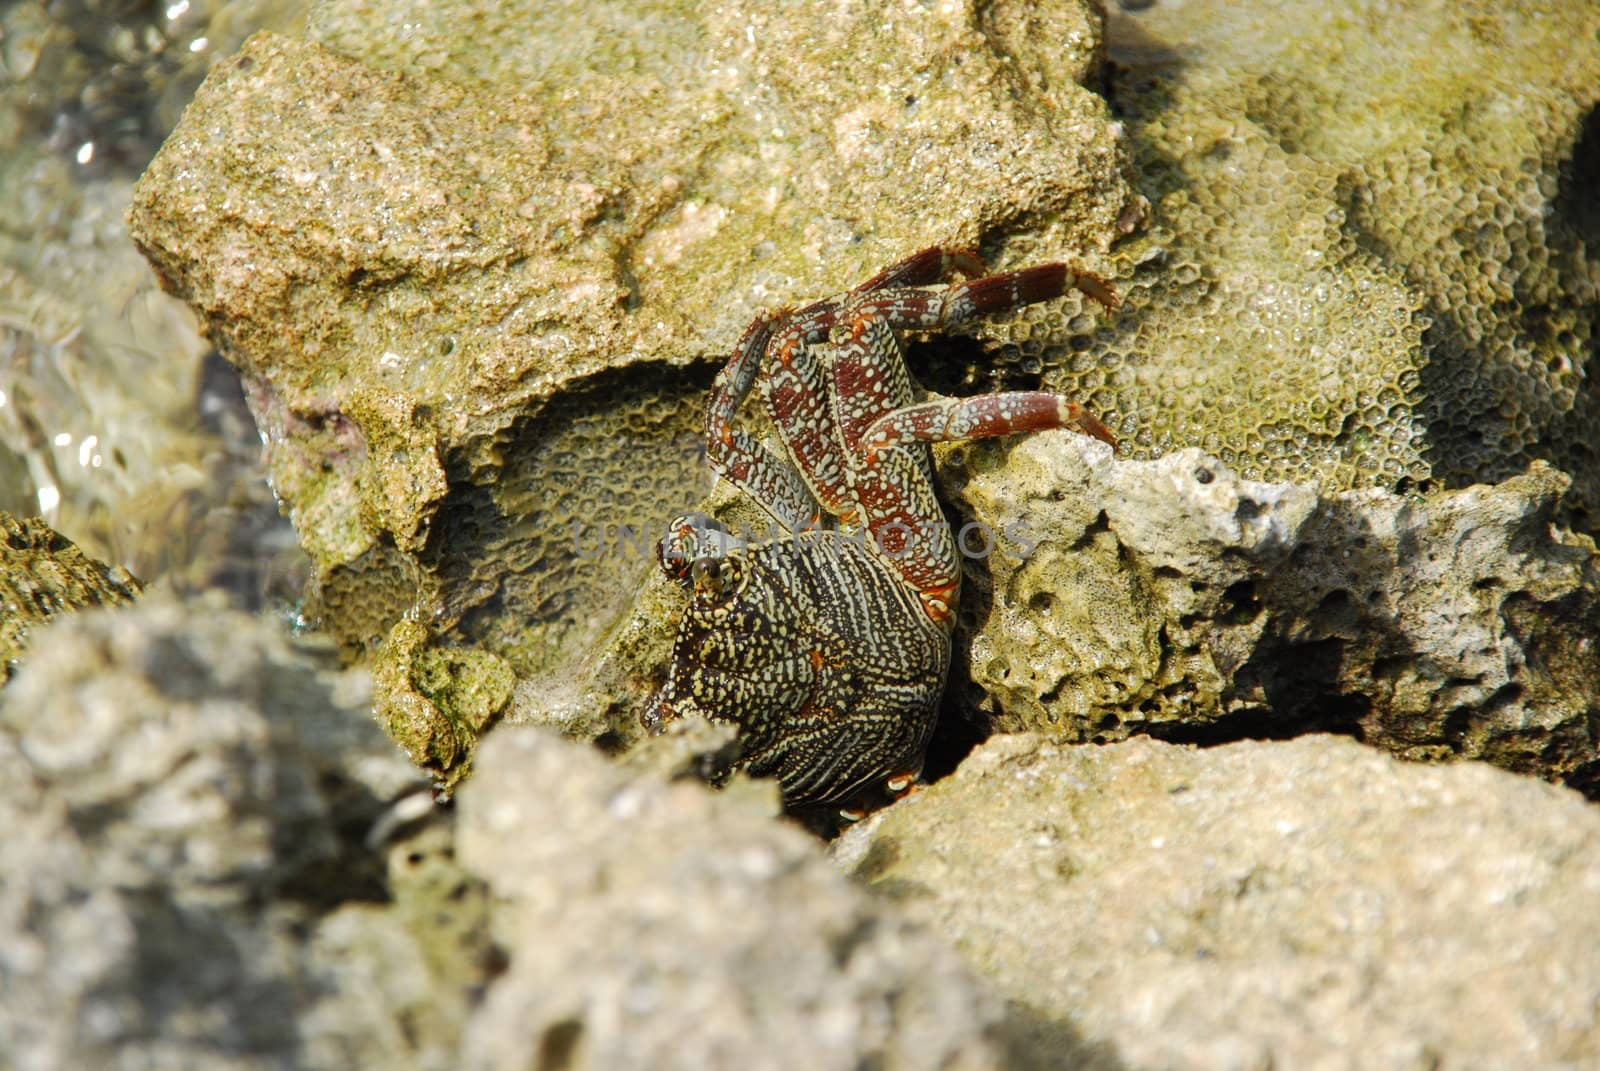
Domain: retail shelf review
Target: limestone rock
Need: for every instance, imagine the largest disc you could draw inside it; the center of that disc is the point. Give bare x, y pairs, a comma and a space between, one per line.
478, 290
1310, 904
654, 924
187, 798
1173, 598
1372, 259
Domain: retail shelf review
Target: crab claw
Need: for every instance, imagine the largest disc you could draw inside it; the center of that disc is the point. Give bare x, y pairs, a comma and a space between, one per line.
658, 713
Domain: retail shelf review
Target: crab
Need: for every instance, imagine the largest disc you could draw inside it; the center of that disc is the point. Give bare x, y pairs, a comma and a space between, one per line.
828, 646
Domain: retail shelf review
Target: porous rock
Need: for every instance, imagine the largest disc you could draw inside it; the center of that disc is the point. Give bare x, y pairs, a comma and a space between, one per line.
650, 923
185, 878
477, 281
1174, 598
1311, 904
1372, 259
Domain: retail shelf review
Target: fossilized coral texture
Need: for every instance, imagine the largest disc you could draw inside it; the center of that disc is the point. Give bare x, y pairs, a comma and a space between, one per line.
1374, 254
1172, 597
42, 576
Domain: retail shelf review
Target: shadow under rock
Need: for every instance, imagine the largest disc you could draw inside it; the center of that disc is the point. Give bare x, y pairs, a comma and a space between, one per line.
1037, 1041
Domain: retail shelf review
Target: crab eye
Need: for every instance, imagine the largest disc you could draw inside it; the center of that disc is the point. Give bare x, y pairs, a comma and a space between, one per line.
714, 578
688, 539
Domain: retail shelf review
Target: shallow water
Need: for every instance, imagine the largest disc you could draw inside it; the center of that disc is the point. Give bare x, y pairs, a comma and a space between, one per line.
118, 422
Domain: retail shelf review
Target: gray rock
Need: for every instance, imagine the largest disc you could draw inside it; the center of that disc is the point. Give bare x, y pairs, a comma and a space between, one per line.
1309, 904
187, 797
654, 924
1174, 598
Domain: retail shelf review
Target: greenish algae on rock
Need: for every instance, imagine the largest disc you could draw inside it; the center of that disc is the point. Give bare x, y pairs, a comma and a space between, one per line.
435, 700
1374, 259
42, 576
477, 303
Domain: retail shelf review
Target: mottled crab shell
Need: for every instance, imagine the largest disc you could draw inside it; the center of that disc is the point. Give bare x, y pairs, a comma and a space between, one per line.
825, 660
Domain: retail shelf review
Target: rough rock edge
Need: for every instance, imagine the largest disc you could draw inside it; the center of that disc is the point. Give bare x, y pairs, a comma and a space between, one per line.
1309, 903
1171, 597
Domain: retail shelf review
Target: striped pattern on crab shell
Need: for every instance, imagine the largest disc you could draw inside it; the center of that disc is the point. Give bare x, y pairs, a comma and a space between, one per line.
825, 661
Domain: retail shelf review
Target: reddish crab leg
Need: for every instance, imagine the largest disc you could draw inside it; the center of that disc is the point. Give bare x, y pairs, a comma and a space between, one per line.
922, 310
735, 454
796, 388
932, 265
901, 512
986, 416
869, 377
892, 488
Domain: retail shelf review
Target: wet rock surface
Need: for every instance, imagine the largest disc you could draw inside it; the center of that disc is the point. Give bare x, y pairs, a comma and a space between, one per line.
114, 425
1306, 904
1174, 598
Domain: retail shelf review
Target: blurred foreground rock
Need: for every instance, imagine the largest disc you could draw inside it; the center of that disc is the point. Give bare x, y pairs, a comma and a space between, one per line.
1311, 904
655, 924
186, 800
215, 859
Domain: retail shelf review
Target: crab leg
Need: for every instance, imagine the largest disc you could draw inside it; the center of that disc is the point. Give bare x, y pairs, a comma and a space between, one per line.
736, 455
796, 393
920, 310
795, 388
899, 510
892, 488
890, 493
987, 416
931, 265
